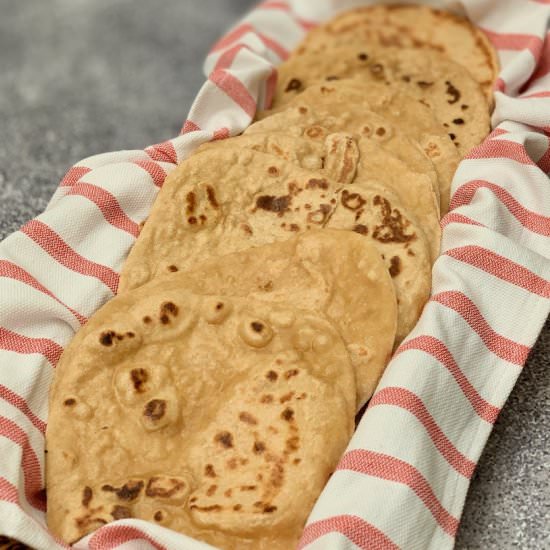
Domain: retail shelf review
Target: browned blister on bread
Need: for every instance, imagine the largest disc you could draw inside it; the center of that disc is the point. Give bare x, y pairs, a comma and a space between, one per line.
261, 448
241, 198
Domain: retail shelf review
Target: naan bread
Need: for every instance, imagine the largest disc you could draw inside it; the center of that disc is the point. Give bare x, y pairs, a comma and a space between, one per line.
411, 26
412, 118
373, 149
219, 417
455, 98
338, 273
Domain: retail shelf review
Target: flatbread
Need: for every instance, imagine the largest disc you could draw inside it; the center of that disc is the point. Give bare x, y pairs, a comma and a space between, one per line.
411, 26
375, 212
244, 209
356, 120
455, 98
344, 157
221, 201
218, 417
381, 152
413, 118
336, 272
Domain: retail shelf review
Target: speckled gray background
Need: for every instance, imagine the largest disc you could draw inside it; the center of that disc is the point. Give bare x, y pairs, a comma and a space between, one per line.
79, 77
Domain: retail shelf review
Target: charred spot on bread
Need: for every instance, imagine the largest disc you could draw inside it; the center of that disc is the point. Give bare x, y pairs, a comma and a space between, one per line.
293, 85
225, 439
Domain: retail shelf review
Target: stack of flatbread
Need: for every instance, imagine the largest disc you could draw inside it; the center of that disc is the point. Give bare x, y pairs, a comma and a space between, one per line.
275, 275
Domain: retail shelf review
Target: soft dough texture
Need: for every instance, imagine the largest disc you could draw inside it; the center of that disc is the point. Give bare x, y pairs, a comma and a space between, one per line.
411, 26
370, 148
219, 417
242, 208
374, 149
338, 273
305, 153
410, 116
376, 212
225, 200
455, 98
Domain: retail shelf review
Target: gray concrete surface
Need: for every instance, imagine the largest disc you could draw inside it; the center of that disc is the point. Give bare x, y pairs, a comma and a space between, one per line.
79, 77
